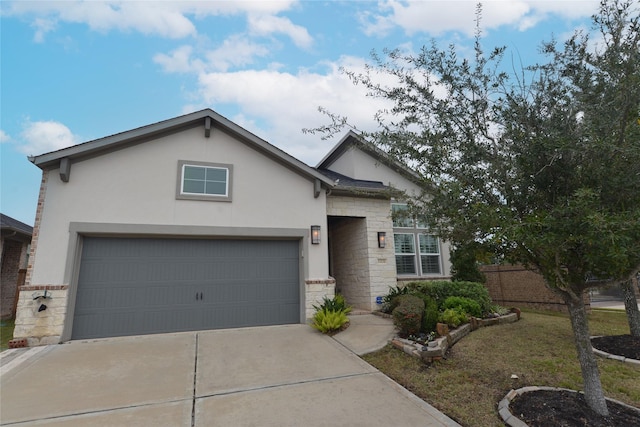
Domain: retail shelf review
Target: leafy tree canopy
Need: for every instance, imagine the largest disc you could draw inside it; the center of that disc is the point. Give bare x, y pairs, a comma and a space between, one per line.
542, 164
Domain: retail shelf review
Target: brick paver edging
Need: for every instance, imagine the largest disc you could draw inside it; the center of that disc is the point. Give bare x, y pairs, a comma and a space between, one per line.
614, 356
511, 420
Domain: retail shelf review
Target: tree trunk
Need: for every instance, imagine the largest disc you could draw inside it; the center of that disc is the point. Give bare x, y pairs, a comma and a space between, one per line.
631, 307
593, 393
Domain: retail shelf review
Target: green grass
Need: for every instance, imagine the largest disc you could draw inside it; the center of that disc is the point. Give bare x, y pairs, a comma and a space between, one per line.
6, 333
539, 349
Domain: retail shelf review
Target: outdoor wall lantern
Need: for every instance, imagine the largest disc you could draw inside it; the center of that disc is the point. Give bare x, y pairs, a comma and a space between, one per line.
315, 234
382, 239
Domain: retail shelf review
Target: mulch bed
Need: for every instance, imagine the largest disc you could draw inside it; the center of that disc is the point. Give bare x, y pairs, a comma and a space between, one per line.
620, 345
546, 408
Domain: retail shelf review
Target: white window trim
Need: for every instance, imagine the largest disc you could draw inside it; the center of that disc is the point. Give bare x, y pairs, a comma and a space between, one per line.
180, 195
406, 254
416, 230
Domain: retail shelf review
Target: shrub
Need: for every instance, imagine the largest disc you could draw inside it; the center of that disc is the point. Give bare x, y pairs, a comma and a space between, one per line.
389, 301
327, 321
453, 317
430, 315
499, 310
464, 263
440, 290
331, 315
466, 305
407, 316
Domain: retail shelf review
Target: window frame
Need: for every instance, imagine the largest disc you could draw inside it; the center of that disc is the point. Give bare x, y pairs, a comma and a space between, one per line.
181, 195
416, 230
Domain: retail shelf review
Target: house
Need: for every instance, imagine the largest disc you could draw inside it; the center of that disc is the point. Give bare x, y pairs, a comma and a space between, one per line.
15, 238
195, 223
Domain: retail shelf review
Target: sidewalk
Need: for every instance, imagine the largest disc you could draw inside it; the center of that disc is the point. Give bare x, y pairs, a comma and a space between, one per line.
366, 333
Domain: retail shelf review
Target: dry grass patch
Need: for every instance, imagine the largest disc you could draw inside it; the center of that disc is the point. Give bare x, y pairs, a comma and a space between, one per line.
476, 375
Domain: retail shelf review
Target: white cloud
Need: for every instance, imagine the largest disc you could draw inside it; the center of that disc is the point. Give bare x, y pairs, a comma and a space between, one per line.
42, 26
270, 24
45, 136
179, 61
4, 137
166, 19
289, 102
236, 51
435, 17
171, 19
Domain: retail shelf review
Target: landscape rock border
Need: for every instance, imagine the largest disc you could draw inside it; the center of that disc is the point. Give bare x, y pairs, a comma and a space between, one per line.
614, 356
513, 421
436, 349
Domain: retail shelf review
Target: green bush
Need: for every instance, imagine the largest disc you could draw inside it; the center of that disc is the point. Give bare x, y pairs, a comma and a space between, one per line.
464, 263
327, 321
453, 317
430, 315
440, 290
467, 305
407, 316
389, 301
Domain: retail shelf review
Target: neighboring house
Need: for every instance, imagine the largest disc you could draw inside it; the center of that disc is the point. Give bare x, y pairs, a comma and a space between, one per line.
15, 238
195, 223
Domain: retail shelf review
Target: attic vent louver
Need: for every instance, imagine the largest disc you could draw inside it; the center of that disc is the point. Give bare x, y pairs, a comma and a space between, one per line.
65, 169
207, 127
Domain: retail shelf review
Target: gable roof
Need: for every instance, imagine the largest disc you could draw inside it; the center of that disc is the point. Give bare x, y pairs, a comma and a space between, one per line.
13, 225
206, 118
359, 187
353, 140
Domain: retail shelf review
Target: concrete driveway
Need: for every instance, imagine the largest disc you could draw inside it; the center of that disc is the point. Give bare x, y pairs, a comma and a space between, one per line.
269, 376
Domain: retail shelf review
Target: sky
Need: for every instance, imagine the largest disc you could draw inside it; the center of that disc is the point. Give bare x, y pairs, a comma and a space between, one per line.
74, 71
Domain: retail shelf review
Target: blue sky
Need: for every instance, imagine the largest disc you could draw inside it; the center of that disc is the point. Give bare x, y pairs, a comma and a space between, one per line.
73, 71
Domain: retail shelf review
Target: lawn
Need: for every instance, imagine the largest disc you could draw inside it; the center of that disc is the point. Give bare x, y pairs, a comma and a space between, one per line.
6, 333
539, 349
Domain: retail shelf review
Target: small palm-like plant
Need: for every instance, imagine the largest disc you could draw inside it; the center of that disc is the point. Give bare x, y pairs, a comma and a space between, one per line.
337, 303
331, 315
327, 321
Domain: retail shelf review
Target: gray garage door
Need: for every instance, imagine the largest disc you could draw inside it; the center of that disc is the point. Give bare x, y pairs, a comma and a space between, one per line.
132, 286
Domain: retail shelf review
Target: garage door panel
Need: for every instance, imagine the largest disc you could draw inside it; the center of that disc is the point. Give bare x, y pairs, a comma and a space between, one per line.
132, 286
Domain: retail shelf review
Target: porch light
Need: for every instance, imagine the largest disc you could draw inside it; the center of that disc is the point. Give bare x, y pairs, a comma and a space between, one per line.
315, 234
382, 239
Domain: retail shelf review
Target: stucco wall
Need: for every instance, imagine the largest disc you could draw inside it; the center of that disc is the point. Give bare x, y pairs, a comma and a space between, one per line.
359, 165
137, 186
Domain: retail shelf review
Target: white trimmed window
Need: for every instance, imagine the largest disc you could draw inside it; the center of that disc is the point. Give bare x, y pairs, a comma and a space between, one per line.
410, 234
204, 181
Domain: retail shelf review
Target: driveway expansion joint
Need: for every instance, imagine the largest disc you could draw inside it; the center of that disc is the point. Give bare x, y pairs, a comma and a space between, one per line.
284, 385
195, 379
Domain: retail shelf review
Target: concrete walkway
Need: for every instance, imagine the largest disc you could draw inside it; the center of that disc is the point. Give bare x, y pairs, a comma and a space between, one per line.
287, 375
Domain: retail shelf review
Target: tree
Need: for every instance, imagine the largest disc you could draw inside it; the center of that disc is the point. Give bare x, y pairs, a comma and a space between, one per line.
543, 163
464, 263
631, 307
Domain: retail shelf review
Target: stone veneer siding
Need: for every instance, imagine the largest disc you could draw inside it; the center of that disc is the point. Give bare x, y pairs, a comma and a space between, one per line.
41, 327
316, 291
361, 269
